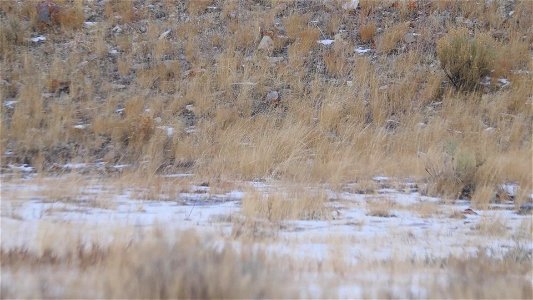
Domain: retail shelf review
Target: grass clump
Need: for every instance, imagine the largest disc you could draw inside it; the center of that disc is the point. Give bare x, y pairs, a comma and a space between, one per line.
367, 32
390, 39
454, 174
466, 60
292, 206
380, 207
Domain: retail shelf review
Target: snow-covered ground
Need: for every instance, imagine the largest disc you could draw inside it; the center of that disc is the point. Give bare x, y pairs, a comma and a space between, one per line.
415, 228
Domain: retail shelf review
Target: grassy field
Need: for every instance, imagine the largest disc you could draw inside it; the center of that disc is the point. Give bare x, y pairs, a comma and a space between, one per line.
319, 111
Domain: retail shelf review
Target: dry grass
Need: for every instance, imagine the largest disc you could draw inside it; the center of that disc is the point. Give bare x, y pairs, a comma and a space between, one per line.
466, 61
380, 207
206, 81
492, 227
424, 209
191, 266
296, 205
180, 87
390, 38
367, 32
483, 196
196, 7
472, 270
151, 268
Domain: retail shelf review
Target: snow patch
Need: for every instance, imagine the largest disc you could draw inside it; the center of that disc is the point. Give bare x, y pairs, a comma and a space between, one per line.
326, 42
351, 5
362, 50
38, 39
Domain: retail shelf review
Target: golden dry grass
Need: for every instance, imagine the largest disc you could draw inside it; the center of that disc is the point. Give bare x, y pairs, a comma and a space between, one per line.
367, 32
205, 79
167, 87
297, 205
152, 268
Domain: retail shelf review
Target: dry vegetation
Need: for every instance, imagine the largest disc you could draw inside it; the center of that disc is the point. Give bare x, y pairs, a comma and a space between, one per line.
147, 88
296, 205
137, 87
153, 268
161, 264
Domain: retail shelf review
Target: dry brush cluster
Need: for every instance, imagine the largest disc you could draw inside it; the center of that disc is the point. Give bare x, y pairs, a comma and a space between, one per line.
161, 264
443, 94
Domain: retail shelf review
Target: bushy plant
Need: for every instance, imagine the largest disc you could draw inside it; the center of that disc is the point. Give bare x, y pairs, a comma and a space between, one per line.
466, 60
454, 174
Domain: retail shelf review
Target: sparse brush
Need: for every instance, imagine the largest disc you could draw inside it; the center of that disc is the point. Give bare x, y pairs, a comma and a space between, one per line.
367, 32
424, 209
196, 7
190, 267
122, 9
513, 55
295, 24
338, 117
336, 61
291, 206
11, 32
390, 38
483, 196
454, 173
307, 40
466, 60
333, 24
380, 207
246, 36
71, 17
492, 226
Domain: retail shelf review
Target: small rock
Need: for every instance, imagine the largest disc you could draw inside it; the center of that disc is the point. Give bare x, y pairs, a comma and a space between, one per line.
266, 44
47, 12
116, 29
391, 124
160, 14
164, 34
118, 86
140, 66
409, 38
351, 5
469, 211
272, 97
89, 24
504, 82
276, 59
486, 81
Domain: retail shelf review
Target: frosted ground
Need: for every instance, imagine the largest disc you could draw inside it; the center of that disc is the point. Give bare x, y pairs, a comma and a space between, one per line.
394, 223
